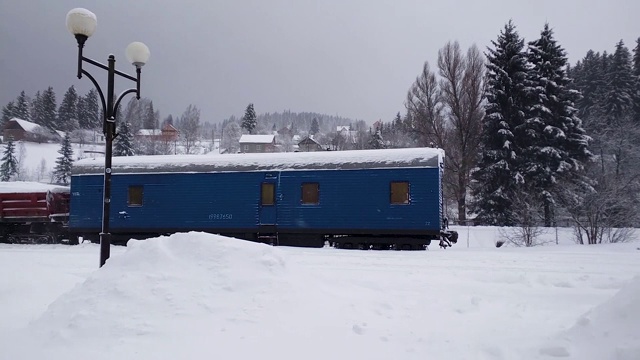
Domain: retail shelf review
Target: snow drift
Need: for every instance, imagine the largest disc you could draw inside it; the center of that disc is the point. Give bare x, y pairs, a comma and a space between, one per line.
183, 286
202, 296
610, 331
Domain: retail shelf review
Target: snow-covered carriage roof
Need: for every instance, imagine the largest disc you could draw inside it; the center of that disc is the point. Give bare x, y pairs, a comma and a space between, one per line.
320, 160
19, 187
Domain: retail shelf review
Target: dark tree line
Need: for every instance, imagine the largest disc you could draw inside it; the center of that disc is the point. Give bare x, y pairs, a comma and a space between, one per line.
610, 109
74, 112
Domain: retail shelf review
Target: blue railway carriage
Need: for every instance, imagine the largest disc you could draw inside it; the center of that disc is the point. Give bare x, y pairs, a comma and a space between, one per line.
351, 199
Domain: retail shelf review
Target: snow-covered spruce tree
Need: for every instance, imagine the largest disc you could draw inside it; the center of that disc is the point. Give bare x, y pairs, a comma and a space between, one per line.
376, 141
93, 110
36, 108
68, 111
315, 127
21, 108
7, 113
62, 171
554, 145
619, 100
88, 111
149, 120
123, 143
636, 74
9, 165
498, 175
46, 109
589, 78
249, 120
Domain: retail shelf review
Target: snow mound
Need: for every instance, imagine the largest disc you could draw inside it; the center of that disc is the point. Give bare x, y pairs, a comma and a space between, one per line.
160, 285
610, 331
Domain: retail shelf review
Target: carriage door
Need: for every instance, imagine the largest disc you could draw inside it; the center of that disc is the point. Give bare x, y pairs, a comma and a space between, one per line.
268, 200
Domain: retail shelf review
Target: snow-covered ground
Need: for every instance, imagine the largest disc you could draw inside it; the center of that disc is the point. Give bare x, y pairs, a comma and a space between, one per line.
201, 296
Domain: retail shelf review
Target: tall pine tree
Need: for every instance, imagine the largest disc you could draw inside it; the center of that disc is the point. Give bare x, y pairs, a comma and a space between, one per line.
88, 111
46, 109
123, 144
621, 92
36, 108
9, 165
554, 145
21, 109
636, 73
498, 172
249, 120
376, 141
315, 127
150, 121
62, 171
94, 110
589, 79
68, 111
7, 113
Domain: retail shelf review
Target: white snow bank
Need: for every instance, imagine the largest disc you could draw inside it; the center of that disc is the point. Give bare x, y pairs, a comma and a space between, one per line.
201, 296
186, 274
610, 331
166, 287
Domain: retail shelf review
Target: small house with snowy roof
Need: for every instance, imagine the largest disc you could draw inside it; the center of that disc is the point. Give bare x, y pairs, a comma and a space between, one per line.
23, 130
167, 133
257, 143
309, 144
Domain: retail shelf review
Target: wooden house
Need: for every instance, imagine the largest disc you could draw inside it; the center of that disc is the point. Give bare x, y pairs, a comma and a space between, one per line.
257, 143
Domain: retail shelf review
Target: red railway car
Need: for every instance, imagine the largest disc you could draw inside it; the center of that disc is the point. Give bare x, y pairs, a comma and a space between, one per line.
32, 212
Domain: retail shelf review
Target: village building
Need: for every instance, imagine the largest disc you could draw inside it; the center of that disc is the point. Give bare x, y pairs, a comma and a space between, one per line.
257, 143
167, 133
308, 144
23, 130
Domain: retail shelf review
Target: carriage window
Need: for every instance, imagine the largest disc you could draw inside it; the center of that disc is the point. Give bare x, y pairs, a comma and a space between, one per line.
310, 193
399, 192
135, 196
268, 194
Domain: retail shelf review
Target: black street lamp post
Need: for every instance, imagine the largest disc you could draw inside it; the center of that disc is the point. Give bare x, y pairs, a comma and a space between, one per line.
82, 24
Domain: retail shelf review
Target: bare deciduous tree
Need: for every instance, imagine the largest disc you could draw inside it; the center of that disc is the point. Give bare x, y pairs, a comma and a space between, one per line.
605, 209
424, 110
601, 213
231, 136
528, 217
448, 114
462, 89
41, 170
189, 126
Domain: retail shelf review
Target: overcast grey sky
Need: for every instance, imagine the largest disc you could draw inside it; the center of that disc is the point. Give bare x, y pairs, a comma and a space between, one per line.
353, 58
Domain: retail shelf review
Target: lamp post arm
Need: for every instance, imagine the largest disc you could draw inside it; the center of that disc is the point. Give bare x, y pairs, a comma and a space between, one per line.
95, 83
128, 91
82, 71
105, 67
